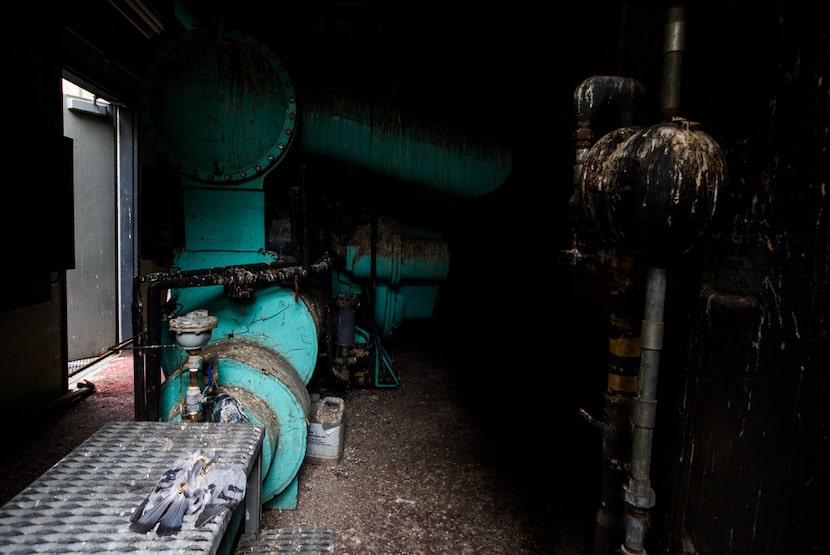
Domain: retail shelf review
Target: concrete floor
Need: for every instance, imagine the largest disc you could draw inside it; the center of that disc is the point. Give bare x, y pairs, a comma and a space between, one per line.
481, 466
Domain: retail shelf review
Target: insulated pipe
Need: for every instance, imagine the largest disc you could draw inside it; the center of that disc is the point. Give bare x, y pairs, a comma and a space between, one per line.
638, 494
425, 152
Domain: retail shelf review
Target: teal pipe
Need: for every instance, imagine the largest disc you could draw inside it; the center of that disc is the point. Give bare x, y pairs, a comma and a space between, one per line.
272, 394
222, 108
277, 319
423, 151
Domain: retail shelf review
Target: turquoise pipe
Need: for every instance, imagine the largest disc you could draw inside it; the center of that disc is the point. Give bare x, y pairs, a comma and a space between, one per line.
278, 319
426, 259
423, 151
272, 394
407, 264
222, 109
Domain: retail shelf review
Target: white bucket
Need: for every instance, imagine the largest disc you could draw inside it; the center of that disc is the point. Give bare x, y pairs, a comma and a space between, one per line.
325, 430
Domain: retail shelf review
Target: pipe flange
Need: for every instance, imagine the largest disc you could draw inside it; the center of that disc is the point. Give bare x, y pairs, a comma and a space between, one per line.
193, 329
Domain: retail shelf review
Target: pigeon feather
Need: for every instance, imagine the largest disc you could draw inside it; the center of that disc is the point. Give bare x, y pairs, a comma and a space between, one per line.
167, 504
226, 484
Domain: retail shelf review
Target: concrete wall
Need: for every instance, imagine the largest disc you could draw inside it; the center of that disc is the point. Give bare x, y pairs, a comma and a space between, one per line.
35, 230
31, 355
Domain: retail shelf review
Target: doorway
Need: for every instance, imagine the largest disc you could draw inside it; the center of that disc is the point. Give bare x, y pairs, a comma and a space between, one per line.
99, 287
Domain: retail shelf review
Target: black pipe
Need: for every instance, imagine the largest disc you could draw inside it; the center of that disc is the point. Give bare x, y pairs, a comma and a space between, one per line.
139, 398
593, 96
304, 214
624, 94
148, 372
152, 363
625, 316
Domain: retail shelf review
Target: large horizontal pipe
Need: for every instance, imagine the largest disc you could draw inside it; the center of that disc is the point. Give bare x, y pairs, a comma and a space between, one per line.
415, 149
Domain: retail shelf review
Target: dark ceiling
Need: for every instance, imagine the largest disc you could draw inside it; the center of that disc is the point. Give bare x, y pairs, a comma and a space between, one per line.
508, 69
431, 45
496, 63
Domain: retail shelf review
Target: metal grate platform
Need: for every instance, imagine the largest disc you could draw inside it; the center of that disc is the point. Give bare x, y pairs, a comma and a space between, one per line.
304, 541
84, 502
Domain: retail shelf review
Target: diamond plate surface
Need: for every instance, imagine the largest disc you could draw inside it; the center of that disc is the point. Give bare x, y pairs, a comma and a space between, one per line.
305, 541
84, 502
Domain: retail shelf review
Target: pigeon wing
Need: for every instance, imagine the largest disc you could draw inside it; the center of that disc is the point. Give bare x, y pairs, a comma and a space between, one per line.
148, 513
171, 521
166, 503
227, 484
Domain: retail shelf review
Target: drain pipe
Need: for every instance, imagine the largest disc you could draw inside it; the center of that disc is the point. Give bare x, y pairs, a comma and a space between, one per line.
638, 494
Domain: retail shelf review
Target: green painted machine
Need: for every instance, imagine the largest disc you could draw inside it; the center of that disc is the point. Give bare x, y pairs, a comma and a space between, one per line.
265, 293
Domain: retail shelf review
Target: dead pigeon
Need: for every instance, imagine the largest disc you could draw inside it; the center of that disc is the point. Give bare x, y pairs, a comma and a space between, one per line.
228, 409
177, 493
226, 484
